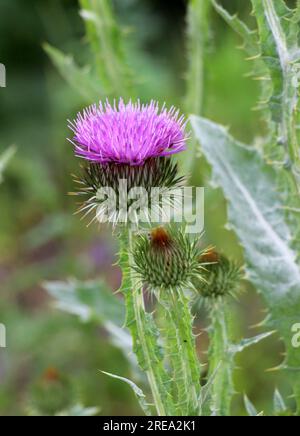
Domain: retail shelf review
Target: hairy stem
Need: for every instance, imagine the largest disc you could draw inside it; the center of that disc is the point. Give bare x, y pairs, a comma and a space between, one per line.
181, 352
197, 35
278, 56
144, 332
221, 359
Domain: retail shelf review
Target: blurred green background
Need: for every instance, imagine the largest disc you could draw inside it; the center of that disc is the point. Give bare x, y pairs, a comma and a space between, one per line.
41, 239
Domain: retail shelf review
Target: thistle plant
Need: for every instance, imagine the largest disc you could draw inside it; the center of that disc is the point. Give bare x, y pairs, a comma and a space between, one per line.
136, 142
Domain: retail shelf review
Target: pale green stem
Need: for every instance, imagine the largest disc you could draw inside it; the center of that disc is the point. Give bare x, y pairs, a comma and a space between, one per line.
152, 364
221, 359
182, 355
197, 35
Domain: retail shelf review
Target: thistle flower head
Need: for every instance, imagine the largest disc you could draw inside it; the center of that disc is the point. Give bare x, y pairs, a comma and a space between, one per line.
127, 133
167, 259
129, 143
222, 276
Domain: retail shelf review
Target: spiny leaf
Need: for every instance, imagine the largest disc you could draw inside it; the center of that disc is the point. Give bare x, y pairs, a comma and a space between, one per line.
279, 44
80, 79
94, 302
250, 408
207, 391
248, 36
137, 391
246, 343
91, 301
256, 214
106, 40
279, 404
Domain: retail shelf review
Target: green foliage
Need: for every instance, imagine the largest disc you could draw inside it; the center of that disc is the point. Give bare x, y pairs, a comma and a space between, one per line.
280, 51
94, 302
276, 52
222, 354
108, 74
256, 214
81, 79
137, 391
79, 410
250, 408
143, 330
90, 301
249, 37
4, 160
279, 406
180, 351
197, 36
106, 40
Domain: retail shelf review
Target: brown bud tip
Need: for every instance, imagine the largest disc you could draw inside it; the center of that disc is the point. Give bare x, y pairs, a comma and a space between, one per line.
210, 256
51, 374
160, 238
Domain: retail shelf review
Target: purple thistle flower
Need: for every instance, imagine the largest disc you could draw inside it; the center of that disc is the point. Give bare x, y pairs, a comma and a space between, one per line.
127, 133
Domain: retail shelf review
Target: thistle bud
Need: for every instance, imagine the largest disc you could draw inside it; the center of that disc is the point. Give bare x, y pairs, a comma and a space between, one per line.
167, 259
221, 276
52, 393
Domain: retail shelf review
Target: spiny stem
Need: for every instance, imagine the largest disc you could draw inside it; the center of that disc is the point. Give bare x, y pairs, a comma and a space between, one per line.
144, 338
221, 358
180, 343
197, 35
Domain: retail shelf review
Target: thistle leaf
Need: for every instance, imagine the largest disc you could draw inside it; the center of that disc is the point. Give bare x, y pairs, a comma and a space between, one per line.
106, 40
137, 391
280, 52
246, 343
94, 302
90, 301
207, 392
255, 213
80, 79
249, 37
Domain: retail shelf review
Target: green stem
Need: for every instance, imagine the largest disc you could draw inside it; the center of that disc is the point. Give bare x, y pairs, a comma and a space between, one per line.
144, 332
197, 35
181, 352
221, 359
